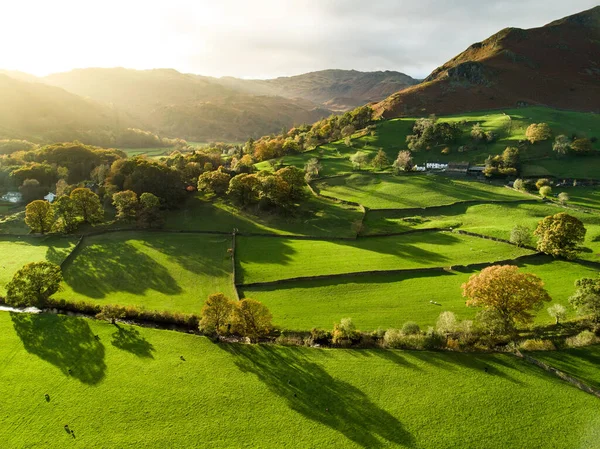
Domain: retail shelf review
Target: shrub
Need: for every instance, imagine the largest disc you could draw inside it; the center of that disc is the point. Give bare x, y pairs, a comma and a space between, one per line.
112, 312
542, 182
558, 312
519, 184
545, 191
537, 345
320, 337
584, 338
345, 332
520, 235
446, 323
410, 328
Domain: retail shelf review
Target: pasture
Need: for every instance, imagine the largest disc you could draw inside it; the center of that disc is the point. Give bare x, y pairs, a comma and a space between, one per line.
189, 392
264, 259
21, 250
581, 363
389, 300
157, 271
414, 191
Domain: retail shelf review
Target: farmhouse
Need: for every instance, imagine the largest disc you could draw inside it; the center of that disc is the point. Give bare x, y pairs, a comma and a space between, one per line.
50, 197
12, 197
458, 167
436, 166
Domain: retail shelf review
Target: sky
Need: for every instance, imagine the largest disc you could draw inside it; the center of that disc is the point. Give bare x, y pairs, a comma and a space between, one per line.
257, 38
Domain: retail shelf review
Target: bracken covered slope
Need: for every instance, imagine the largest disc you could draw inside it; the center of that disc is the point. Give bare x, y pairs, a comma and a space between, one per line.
557, 65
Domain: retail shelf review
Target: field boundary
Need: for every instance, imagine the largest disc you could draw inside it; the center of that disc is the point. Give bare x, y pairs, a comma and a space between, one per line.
560, 374
73, 252
469, 267
456, 203
233, 268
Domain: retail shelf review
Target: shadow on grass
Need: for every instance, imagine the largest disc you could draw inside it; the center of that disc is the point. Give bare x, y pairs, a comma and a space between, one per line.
117, 266
314, 393
129, 339
66, 342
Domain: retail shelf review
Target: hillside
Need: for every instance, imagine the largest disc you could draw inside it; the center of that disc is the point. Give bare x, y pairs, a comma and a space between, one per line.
188, 106
40, 112
557, 65
338, 90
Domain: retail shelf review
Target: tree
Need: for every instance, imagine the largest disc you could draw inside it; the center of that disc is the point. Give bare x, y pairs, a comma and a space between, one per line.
348, 130
537, 132
358, 159
216, 313
558, 312
586, 298
112, 313
216, 182
312, 169
477, 132
294, 177
520, 235
582, 146
252, 319
447, 323
561, 145
31, 190
39, 216
519, 184
345, 330
513, 295
563, 197
126, 203
560, 235
33, 284
87, 205
149, 214
542, 182
244, 189
545, 191
380, 160
403, 162
66, 215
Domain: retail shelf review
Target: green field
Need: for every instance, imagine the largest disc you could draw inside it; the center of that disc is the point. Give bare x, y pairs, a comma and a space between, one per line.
263, 259
315, 216
158, 271
399, 192
389, 300
149, 152
509, 125
130, 388
13, 222
587, 197
582, 363
18, 251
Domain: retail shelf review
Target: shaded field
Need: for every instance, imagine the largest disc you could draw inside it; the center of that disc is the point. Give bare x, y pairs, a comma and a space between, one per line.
314, 217
390, 300
488, 219
410, 191
153, 270
18, 251
588, 197
13, 222
262, 259
582, 363
307, 397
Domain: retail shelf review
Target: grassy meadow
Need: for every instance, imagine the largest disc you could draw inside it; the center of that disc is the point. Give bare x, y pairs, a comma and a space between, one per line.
264, 259
21, 250
581, 363
158, 271
390, 300
189, 392
400, 192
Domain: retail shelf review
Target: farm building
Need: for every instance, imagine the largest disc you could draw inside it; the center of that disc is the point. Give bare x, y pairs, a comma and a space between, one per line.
12, 197
458, 167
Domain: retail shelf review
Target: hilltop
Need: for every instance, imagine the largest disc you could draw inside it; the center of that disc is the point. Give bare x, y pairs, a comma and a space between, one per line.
556, 65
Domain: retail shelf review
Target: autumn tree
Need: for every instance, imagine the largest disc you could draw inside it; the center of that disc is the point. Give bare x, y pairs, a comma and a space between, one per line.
149, 213
545, 191
560, 235
514, 296
380, 161
358, 159
87, 205
216, 314
582, 146
66, 215
403, 162
32, 190
558, 312
561, 145
312, 169
537, 132
244, 189
252, 319
520, 235
126, 203
294, 177
542, 182
33, 284
563, 197
586, 298
216, 182
39, 216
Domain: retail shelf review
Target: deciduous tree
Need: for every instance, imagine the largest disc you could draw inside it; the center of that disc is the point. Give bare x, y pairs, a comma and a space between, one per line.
560, 235
582, 146
561, 145
513, 295
87, 205
66, 215
403, 162
216, 181
252, 319
586, 298
39, 216
33, 284
380, 161
149, 214
126, 203
537, 132
216, 313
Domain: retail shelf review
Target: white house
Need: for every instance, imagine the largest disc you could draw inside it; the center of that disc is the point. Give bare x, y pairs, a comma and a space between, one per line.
436, 166
12, 197
50, 197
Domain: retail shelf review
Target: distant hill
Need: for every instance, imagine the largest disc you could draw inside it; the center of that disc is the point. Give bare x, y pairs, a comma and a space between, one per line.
338, 90
556, 65
39, 112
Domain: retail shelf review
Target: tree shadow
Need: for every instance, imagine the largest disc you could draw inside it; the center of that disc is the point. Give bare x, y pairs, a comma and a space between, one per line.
116, 266
311, 391
129, 339
66, 342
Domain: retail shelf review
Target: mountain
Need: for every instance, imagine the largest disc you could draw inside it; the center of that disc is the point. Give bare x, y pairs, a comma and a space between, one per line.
339, 90
557, 65
39, 112
189, 106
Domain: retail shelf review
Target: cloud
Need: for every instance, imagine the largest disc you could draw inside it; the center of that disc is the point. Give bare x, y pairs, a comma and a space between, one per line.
259, 38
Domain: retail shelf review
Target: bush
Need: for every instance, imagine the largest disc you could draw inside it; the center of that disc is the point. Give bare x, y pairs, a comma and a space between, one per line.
584, 338
537, 345
320, 337
345, 332
519, 184
520, 235
410, 328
